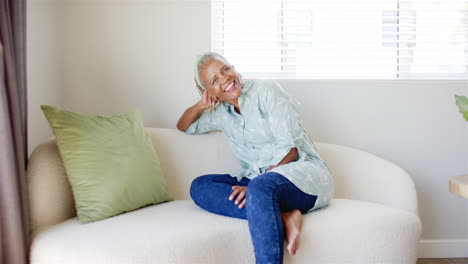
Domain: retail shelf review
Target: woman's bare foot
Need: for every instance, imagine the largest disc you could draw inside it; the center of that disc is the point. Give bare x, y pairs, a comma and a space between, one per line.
292, 226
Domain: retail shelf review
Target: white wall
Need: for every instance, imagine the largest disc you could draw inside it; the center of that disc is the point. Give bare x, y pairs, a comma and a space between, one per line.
118, 54
43, 65
133, 53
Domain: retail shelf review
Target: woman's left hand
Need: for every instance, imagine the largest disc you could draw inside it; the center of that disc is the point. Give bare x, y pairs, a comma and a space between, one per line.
241, 192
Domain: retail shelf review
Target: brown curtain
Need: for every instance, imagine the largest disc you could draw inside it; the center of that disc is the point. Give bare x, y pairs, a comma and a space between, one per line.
14, 207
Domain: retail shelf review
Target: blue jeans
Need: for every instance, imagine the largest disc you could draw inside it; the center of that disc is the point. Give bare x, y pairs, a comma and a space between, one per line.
267, 196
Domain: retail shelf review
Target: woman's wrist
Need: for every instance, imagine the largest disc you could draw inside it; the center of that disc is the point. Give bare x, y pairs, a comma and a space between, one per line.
200, 107
272, 167
290, 157
190, 115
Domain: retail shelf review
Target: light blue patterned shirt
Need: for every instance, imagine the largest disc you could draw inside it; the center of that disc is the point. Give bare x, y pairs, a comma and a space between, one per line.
262, 135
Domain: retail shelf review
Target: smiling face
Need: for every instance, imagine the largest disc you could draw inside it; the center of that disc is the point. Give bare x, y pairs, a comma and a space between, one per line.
221, 80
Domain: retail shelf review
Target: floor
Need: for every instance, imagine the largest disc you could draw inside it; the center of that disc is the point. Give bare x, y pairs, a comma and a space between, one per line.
443, 261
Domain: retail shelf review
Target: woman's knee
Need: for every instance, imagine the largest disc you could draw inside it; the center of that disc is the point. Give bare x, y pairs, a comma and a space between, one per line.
260, 188
197, 184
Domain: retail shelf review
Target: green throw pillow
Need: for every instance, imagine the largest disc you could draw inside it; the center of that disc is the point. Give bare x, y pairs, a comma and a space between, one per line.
110, 162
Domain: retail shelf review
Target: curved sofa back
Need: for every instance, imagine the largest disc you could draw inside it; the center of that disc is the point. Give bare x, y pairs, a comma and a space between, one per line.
357, 174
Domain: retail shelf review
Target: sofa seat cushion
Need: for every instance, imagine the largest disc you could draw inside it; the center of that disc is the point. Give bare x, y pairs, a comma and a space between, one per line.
346, 231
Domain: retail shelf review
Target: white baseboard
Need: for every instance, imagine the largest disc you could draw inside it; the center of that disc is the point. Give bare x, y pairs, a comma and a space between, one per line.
453, 248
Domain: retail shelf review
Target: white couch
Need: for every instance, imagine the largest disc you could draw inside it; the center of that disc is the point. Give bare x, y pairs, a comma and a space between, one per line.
373, 217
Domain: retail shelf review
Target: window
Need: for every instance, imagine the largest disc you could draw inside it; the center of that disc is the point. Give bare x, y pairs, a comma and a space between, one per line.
306, 39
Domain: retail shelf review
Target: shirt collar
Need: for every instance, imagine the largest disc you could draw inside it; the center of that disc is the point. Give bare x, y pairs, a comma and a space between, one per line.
247, 85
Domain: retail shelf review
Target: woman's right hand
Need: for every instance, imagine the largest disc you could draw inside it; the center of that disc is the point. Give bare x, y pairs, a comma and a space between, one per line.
208, 100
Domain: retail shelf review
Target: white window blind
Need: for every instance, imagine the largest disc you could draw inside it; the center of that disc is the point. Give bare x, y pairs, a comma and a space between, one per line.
297, 39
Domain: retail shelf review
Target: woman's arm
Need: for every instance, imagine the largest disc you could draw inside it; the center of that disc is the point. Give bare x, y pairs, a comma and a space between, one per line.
194, 112
291, 156
189, 116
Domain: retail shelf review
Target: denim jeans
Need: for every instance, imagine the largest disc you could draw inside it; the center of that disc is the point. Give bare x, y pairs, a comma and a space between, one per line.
267, 196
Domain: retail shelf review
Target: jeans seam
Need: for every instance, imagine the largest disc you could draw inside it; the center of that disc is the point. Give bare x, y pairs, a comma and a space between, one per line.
277, 225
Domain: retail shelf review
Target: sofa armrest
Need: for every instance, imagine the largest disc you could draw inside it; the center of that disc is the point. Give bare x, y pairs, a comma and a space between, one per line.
50, 195
360, 175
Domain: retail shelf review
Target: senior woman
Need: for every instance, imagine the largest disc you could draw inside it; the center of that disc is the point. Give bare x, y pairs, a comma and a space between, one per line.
283, 176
